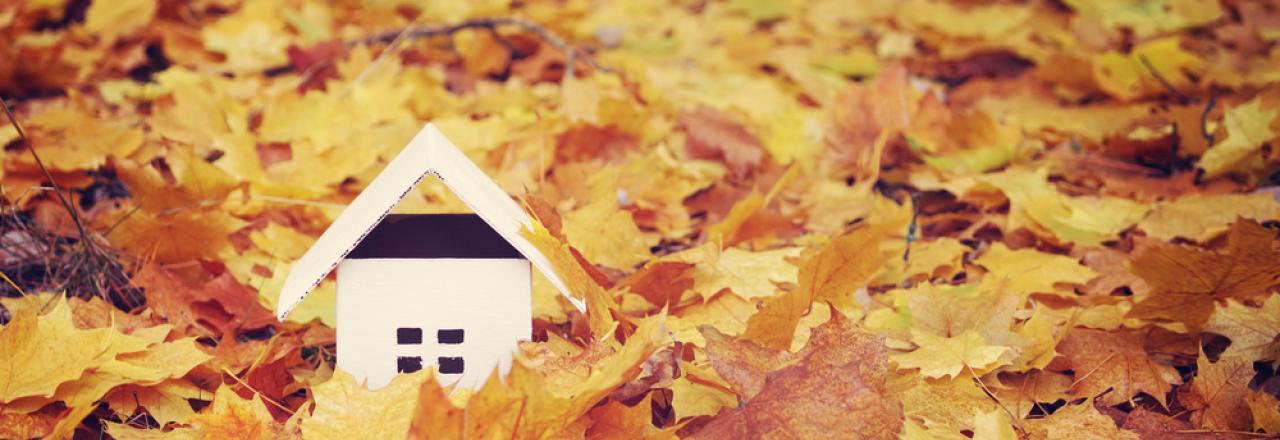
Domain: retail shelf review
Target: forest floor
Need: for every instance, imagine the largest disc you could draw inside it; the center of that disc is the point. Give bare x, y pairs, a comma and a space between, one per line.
787, 219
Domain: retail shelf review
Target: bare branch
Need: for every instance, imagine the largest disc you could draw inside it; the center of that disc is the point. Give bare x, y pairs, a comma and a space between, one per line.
571, 52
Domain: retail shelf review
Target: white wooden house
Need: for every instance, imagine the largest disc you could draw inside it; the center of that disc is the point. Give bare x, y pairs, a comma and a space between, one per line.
444, 291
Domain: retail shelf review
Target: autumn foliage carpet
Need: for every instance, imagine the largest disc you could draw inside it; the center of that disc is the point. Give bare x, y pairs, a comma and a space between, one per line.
1043, 219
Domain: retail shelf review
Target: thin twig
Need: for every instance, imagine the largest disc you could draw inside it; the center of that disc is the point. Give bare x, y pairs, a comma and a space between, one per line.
1013, 419
1165, 82
255, 391
570, 51
1204, 117
94, 266
11, 283
1094, 369
22, 135
1224, 431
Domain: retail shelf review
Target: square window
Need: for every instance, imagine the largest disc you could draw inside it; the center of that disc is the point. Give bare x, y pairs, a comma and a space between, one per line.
449, 335
408, 335
451, 365
408, 364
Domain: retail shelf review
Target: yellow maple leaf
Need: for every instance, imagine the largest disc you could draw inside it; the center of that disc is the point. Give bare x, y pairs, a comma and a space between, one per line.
1252, 330
344, 407
71, 138
1248, 127
928, 259
1146, 18
726, 312
1265, 409
1086, 221
1045, 115
166, 402
579, 282
150, 234
43, 352
977, 22
128, 432
230, 416
537, 403
1129, 75
939, 356
700, 393
116, 18
616, 420
605, 233
1202, 217
944, 404
748, 274
195, 182
993, 425
284, 243
1077, 422
1028, 271
253, 38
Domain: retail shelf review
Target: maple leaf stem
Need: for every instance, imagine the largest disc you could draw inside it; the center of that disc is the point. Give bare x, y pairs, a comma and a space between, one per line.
491, 24
1173, 91
1204, 117
1012, 418
1225, 431
11, 283
255, 391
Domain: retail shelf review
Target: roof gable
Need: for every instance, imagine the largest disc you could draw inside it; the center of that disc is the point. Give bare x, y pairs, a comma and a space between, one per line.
429, 152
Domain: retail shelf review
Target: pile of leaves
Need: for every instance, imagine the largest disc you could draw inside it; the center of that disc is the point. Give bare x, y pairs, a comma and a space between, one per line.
891, 218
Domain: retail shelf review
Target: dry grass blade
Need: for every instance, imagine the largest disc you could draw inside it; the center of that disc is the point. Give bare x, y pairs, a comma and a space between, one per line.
37, 259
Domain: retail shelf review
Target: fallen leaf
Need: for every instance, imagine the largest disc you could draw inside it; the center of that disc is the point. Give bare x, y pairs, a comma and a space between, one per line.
837, 389
1253, 330
344, 407
1248, 127
743, 363
615, 420
831, 275
717, 135
1186, 282
993, 425
1218, 392
1030, 271
1115, 361
1077, 422
230, 416
1202, 217
940, 356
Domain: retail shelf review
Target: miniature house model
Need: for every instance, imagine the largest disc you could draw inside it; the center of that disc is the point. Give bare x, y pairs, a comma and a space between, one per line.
444, 291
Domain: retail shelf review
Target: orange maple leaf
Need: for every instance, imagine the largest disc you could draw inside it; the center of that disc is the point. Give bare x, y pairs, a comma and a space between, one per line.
836, 271
1187, 281
836, 391
1115, 360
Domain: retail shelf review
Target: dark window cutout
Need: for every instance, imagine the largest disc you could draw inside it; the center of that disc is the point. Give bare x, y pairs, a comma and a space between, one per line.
408, 364
449, 336
408, 335
450, 365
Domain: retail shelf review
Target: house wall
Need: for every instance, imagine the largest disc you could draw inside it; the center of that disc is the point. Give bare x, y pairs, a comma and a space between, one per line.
381, 301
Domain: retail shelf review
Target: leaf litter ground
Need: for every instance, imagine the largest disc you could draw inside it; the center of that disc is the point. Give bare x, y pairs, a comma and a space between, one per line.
792, 219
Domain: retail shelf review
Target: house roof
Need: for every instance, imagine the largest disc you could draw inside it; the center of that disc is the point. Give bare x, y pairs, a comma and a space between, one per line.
429, 152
